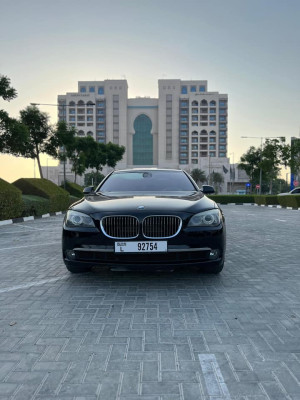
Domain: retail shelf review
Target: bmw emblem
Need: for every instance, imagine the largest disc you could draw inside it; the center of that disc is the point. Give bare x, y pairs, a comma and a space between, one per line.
141, 208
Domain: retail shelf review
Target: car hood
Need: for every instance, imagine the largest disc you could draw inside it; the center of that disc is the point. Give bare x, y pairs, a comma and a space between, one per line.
123, 203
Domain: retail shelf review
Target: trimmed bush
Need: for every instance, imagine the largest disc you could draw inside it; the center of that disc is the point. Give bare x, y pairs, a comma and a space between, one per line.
290, 200
58, 197
74, 189
266, 200
10, 201
34, 205
73, 199
232, 198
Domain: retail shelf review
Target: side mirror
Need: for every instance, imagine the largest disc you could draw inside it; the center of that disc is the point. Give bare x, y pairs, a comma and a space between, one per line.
206, 189
88, 190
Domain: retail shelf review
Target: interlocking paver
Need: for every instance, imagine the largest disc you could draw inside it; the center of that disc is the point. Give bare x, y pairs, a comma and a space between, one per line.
139, 335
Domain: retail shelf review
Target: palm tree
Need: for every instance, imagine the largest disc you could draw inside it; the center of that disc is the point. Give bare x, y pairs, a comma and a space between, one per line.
198, 175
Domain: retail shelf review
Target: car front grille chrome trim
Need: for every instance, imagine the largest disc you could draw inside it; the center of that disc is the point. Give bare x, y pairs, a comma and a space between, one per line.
161, 226
120, 227
153, 227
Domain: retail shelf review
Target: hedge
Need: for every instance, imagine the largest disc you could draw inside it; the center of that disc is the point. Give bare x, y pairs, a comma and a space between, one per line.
74, 189
73, 199
266, 200
232, 198
34, 205
290, 200
10, 201
58, 197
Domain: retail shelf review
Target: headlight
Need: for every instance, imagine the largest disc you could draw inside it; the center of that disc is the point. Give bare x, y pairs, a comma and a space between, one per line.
78, 219
206, 218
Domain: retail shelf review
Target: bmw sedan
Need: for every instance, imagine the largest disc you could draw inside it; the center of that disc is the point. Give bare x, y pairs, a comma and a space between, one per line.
145, 218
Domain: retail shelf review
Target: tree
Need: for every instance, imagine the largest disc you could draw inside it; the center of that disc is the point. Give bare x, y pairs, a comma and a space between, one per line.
250, 162
198, 175
7, 92
13, 135
78, 152
114, 153
39, 133
93, 178
217, 179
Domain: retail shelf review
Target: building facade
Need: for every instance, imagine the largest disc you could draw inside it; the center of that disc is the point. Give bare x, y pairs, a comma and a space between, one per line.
185, 127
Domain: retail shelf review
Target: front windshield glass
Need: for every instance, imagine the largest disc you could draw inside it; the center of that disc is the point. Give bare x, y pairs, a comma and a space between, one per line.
148, 181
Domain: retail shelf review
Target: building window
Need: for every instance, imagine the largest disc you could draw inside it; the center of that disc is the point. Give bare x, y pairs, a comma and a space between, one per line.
222, 154
183, 155
212, 110
89, 118
195, 118
212, 147
212, 117
194, 140
71, 118
222, 118
222, 133
212, 154
212, 103
194, 161
223, 111
212, 124
202, 88
195, 133
195, 110
194, 103
193, 88
92, 89
71, 110
183, 148
194, 147
142, 141
222, 103
183, 126
82, 89
194, 123
212, 140
222, 126
100, 90
203, 132
183, 133
212, 133
194, 154
183, 119
222, 147
183, 140
183, 103
182, 161
222, 140
183, 90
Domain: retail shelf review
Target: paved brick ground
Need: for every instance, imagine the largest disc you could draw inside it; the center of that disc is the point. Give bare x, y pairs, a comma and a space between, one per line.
153, 336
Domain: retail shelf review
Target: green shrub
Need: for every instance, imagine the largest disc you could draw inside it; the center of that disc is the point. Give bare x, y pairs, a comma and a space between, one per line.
290, 200
58, 197
10, 201
232, 198
74, 189
34, 205
266, 200
73, 199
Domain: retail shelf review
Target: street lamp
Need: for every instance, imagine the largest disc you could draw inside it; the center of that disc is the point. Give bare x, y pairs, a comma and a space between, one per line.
261, 145
232, 173
63, 105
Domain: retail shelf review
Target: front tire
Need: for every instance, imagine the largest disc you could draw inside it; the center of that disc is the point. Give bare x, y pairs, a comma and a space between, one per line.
78, 269
213, 269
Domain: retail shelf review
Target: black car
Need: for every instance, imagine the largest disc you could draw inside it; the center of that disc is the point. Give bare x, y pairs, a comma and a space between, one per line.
149, 218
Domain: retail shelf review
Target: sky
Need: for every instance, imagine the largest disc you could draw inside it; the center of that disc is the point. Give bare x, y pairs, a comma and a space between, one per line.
248, 49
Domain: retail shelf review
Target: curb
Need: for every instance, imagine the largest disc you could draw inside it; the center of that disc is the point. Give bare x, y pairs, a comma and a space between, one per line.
259, 205
31, 218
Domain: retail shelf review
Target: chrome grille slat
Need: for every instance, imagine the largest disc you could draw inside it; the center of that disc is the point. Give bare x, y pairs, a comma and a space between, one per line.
120, 227
161, 226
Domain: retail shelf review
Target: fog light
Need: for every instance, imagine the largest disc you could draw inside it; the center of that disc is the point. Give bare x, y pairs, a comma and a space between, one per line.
214, 254
71, 254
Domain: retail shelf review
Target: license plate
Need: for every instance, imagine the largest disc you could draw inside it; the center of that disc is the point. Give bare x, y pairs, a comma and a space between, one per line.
141, 247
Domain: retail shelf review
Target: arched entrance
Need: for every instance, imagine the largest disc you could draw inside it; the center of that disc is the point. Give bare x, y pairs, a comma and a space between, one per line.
142, 141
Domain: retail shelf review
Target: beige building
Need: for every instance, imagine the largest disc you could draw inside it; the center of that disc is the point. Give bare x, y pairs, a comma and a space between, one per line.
185, 127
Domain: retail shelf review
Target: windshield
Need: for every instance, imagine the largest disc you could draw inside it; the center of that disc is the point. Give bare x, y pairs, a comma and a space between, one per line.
148, 181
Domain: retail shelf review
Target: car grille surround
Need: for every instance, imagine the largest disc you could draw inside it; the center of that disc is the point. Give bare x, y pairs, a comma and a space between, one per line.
151, 227
120, 227
161, 226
